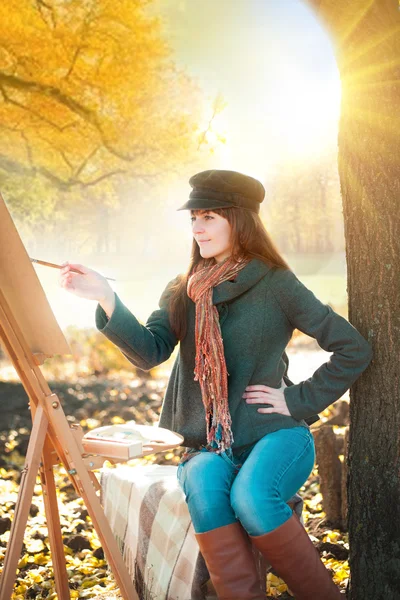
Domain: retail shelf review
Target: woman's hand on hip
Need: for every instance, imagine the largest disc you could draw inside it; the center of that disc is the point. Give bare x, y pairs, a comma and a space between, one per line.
262, 394
87, 284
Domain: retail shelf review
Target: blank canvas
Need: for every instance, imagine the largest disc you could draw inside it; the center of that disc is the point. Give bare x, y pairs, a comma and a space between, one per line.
24, 293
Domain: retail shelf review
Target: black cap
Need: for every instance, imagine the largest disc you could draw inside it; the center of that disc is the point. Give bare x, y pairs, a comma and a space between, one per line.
222, 189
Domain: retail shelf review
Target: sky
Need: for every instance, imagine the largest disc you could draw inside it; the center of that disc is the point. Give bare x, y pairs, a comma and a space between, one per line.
273, 64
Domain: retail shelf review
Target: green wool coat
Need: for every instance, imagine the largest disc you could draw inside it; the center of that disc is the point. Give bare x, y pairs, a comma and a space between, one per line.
258, 313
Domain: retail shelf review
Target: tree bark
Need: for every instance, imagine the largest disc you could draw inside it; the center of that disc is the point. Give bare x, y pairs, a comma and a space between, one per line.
330, 474
366, 36
345, 470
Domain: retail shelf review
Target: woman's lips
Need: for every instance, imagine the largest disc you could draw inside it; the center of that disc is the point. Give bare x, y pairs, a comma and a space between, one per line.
204, 242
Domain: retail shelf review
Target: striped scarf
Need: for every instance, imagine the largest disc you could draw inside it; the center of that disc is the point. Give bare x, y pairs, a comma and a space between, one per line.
210, 366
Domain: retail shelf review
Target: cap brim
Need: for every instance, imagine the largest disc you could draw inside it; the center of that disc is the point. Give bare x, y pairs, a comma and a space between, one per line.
205, 204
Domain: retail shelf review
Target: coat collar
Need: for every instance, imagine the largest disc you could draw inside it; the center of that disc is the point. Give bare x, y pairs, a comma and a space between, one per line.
245, 279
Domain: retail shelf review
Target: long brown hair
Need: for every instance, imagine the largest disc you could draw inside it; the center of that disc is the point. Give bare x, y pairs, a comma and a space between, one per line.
250, 239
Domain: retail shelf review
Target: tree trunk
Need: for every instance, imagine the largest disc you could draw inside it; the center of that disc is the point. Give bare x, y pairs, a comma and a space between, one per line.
330, 475
366, 36
345, 470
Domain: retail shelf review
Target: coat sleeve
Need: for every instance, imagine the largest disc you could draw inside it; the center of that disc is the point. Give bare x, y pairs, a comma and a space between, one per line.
145, 346
351, 353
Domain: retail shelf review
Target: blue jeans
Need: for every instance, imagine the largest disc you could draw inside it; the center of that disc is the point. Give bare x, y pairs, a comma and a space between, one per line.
253, 487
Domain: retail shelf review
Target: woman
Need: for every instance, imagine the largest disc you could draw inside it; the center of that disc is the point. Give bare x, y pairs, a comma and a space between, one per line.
245, 424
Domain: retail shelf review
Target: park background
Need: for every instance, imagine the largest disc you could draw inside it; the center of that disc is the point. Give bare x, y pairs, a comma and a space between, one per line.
106, 110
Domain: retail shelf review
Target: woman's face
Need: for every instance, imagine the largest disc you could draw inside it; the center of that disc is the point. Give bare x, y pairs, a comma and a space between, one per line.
212, 233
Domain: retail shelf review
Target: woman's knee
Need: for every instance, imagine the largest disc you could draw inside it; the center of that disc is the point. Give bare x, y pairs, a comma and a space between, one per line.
206, 480
206, 471
259, 511
245, 499
252, 498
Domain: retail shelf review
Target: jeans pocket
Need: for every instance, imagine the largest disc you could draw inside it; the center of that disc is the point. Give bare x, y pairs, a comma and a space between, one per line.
227, 455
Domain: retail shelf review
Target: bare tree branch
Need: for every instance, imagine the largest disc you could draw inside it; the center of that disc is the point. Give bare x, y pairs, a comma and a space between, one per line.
7, 98
85, 28
11, 166
28, 147
218, 106
50, 91
42, 7
79, 170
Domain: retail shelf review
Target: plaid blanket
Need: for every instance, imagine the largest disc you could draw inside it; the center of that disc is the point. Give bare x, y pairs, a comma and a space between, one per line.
148, 514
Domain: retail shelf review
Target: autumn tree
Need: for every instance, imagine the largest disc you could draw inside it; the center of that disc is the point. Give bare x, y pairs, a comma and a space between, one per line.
366, 37
89, 95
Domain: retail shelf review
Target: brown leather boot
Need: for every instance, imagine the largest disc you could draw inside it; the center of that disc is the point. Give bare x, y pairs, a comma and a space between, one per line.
293, 556
229, 559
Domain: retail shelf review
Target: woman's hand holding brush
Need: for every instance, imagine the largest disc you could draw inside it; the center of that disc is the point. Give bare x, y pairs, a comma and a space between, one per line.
89, 284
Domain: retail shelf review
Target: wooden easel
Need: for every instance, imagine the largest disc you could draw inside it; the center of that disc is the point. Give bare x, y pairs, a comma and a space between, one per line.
30, 334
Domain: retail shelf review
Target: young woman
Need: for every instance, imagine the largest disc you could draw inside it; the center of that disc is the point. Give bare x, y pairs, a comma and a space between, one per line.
246, 425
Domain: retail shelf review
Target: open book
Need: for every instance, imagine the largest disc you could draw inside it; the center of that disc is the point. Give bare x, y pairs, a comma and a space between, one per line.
123, 442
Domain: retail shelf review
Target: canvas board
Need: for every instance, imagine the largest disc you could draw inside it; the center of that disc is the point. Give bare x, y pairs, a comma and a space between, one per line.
24, 293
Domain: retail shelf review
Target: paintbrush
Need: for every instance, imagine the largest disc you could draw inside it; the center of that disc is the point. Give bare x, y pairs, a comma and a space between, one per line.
54, 266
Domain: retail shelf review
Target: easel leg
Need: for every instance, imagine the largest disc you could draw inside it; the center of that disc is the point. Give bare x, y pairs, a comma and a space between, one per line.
54, 525
24, 501
88, 492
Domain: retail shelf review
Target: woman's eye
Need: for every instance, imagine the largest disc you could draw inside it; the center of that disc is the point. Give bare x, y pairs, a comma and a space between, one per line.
205, 216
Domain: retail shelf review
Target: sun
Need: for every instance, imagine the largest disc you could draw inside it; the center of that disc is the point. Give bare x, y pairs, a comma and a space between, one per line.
304, 114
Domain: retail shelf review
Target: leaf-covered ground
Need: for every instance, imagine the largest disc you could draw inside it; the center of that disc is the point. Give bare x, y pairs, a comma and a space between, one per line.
115, 401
